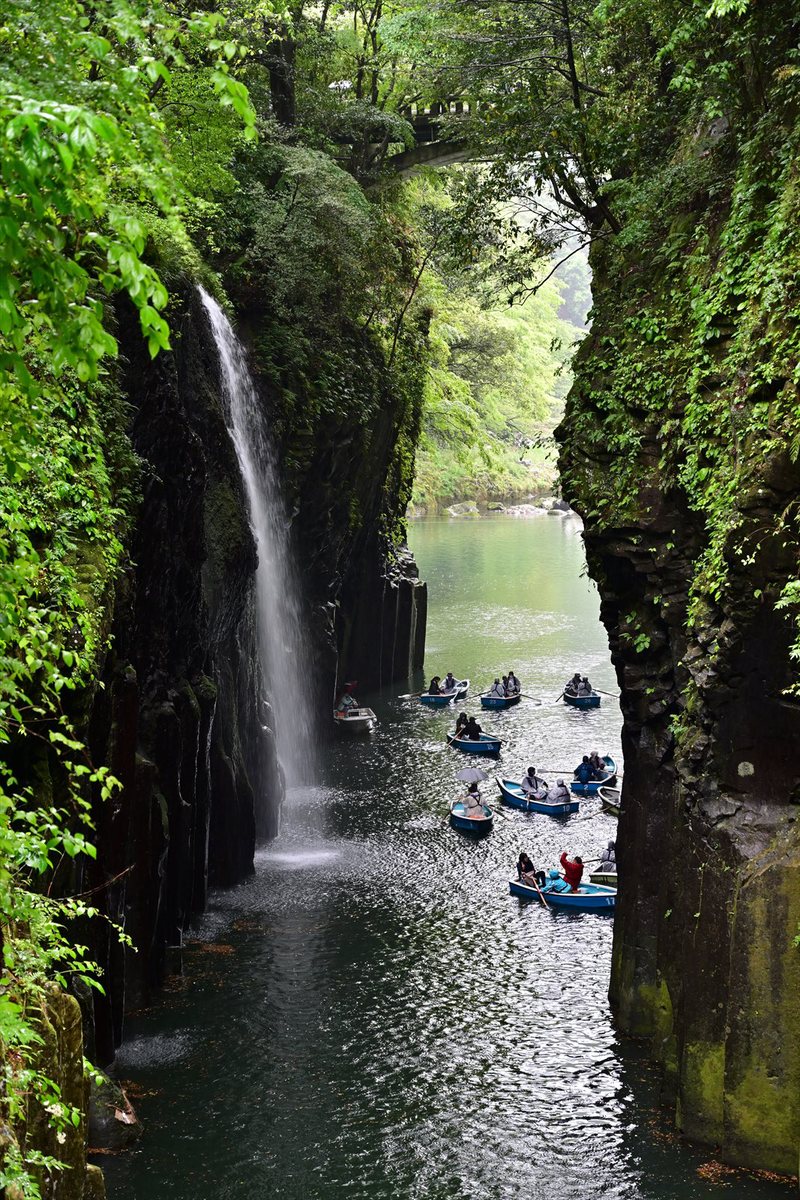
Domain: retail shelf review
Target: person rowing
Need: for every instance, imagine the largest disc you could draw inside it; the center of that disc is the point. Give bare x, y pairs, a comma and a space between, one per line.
433, 687
585, 772
449, 684
534, 785
497, 690
461, 723
347, 701
472, 730
608, 858
513, 684
527, 873
571, 687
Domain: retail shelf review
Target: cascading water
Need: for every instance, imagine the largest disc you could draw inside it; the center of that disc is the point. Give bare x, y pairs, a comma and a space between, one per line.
282, 643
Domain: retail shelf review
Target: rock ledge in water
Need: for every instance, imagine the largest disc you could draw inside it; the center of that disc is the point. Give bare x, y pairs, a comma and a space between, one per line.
525, 510
113, 1125
465, 508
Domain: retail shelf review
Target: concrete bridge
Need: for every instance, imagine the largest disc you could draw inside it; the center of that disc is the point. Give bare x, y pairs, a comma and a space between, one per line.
431, 147
431, 150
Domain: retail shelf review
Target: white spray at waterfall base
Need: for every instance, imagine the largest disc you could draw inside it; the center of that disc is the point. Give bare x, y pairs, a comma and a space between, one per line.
283, 646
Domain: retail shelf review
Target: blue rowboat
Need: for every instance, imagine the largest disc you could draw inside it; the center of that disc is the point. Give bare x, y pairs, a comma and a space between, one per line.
500, 701
592, 701
588, 898
481, 823
444, 698
594, 785
512, 793
486, 745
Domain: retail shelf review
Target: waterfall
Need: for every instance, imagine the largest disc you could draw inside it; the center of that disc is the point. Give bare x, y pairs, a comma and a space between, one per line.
285, 658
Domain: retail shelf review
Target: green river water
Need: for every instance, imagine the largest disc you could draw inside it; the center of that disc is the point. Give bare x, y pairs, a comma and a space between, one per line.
372, 1016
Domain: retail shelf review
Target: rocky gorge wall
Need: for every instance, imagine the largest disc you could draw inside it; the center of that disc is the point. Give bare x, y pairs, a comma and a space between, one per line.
183, 718
679, 448
180, 713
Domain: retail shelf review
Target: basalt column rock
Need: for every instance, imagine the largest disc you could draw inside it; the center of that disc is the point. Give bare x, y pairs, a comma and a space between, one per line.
705, 963
382, 629
183, 721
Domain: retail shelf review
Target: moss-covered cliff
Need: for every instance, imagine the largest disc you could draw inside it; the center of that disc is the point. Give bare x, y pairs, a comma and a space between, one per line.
680, 448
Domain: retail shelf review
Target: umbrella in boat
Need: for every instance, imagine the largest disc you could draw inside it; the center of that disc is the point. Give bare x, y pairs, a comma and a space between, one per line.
472, 775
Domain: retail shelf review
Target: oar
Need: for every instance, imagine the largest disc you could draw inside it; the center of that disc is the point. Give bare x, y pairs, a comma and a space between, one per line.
411, 696
525, 696
560, 697
614, 695
539, 890
541, 894
500, 812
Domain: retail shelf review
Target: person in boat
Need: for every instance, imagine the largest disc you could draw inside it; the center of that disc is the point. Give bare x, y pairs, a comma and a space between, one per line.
472, 730
573, 870
505, 686
585, 772
527, 873
433, 687
584, 687
513, 684
608, 858
598, 764
497, 689
534, 785
555, 883
473, 805
560, 793
461, 723
347, 700
449, 684
572, 685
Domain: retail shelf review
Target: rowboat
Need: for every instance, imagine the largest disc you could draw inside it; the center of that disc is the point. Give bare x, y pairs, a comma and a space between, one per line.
355, 720
486, 745
604, 878
588, 898
593, 786
500, 701
444, 698
609, 799
481, 823
512, 793
590, 701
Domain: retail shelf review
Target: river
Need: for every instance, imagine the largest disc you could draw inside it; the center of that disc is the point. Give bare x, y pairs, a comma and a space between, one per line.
372, 1016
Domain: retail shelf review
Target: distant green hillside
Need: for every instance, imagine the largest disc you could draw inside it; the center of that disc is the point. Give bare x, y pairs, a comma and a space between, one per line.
496, 390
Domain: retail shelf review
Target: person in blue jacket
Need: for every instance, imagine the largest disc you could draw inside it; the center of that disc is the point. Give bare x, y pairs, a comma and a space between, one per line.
585, 772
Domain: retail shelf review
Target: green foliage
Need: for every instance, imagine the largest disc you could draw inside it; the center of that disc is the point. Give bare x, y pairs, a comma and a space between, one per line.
85, 165
696, 350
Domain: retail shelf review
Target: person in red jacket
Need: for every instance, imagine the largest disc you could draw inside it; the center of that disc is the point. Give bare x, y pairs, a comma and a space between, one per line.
573, 871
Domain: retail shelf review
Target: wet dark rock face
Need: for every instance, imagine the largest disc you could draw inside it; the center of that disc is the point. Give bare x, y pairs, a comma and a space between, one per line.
183, 719
705, 964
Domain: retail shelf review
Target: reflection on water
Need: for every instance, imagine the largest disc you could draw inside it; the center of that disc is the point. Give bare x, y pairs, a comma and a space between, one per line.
372, 1015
